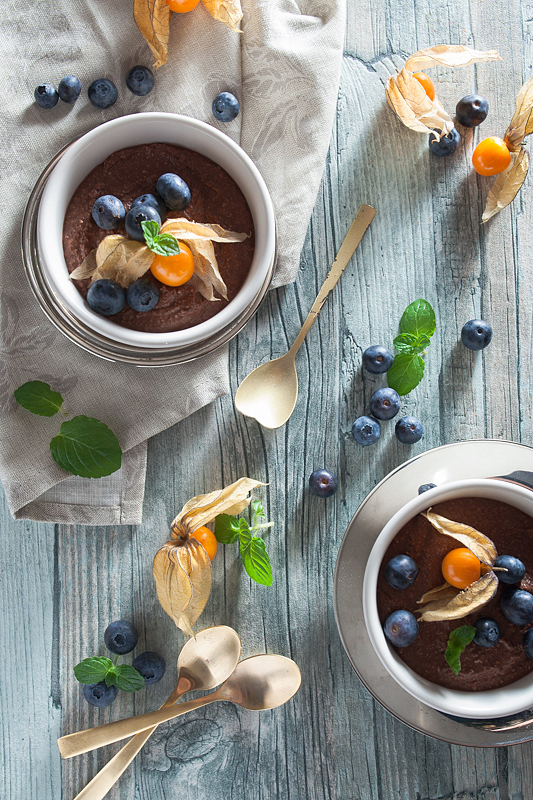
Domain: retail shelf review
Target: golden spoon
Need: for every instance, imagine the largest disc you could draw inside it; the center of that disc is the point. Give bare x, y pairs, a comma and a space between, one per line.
203, 663
269, 392
258, 683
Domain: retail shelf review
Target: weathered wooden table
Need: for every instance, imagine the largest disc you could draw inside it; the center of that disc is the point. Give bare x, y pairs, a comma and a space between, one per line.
62, 585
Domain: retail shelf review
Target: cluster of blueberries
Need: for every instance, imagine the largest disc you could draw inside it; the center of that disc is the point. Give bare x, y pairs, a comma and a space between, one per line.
401, 627
120, 637
107, 297
469, 112
103, 93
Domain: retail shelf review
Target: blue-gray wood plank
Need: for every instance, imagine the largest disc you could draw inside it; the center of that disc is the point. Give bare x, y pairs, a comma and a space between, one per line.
61, 585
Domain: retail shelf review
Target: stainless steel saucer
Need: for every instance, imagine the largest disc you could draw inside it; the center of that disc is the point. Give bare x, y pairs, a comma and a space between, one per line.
473, 459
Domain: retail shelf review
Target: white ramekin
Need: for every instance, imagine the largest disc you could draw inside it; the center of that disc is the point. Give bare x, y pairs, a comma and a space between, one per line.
477, 705
92, 149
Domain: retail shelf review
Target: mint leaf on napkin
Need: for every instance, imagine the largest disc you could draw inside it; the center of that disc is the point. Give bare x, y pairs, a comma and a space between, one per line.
164, 244
458, 640
87, 447
39, 398
417, 326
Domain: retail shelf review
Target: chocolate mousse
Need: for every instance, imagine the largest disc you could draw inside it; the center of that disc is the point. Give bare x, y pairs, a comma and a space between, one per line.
482, 668
216, 199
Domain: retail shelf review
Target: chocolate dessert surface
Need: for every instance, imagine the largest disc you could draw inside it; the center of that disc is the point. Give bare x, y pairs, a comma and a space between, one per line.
215, 199
482, 668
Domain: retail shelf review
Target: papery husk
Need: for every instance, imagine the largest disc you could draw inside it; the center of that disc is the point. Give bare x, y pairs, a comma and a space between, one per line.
479, 544
153, 20
205, 507
227, 11
463, 603
521, 124
444, 592
449, 55
408, 99
506, 185
188, 231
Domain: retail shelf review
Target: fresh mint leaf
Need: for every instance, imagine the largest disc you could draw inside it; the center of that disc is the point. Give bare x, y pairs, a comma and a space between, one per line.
458, 640
127, 678
406, 372
409, 343
258, 512
228, 529
92, 670
85, 446
39, 398
255, 559
164, 244
418, 318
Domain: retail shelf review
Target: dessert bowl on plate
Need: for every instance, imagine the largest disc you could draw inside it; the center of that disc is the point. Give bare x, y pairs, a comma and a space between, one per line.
43, 241
494, 703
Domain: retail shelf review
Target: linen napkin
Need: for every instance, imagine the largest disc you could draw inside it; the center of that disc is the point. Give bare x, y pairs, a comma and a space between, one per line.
284, 67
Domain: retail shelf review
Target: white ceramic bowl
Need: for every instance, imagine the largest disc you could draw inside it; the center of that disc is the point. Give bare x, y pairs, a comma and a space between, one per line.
92, 149
477, 705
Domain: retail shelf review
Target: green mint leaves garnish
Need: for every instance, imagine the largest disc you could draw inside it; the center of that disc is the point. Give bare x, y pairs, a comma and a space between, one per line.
417, 326
164, 244
459, 639
84, 446
252, 548
97, 669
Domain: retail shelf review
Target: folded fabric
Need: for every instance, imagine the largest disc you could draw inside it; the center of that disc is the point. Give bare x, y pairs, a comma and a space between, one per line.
284, 67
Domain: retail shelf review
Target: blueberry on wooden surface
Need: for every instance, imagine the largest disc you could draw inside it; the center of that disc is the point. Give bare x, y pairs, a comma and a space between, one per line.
377, 359
151, 666
446, 145
366, 430
385, 403
99, 695
409, 430
323, 483
120, 636
476, 334
471, 110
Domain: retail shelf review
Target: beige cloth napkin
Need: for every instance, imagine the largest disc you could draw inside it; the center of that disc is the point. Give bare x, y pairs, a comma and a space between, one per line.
284, 68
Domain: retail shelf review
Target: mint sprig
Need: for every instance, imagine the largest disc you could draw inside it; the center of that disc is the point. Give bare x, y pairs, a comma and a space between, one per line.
458, 640
252, 548
83, 446
417, 326
164, 244
97, 669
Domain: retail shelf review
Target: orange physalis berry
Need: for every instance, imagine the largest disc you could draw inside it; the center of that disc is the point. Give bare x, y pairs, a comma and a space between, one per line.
207, 539
181, 6
426, 82
491, 156
174, 270
461, 568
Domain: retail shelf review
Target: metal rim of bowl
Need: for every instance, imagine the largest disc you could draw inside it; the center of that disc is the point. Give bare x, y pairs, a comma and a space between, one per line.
90, 340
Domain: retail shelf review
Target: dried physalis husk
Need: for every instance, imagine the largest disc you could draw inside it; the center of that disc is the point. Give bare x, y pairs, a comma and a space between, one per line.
227, 11
521, 124
153, 20
407, 97
446, 601
182, 568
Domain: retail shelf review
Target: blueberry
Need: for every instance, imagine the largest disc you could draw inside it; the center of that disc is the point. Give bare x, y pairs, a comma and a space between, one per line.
46, 95
140, 80
377, 359
108, 212
137, 215
517, 606
69, 89
471, 110
142, 295
385, 403
106, 297
366, 430
401, 628
102, 93
515, 569
426, 487
409, 430
323, 483
487, 632
99, 695
225, 106
446, 145
120, 636
174, 191
401, 572
476, 334
527, 643
151, 666
152, 200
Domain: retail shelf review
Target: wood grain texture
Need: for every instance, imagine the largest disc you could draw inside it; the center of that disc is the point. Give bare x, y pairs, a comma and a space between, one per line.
61, 585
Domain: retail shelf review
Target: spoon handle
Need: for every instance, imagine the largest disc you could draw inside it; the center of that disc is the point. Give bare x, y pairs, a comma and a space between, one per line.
81, 742
362, 220
102, 782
